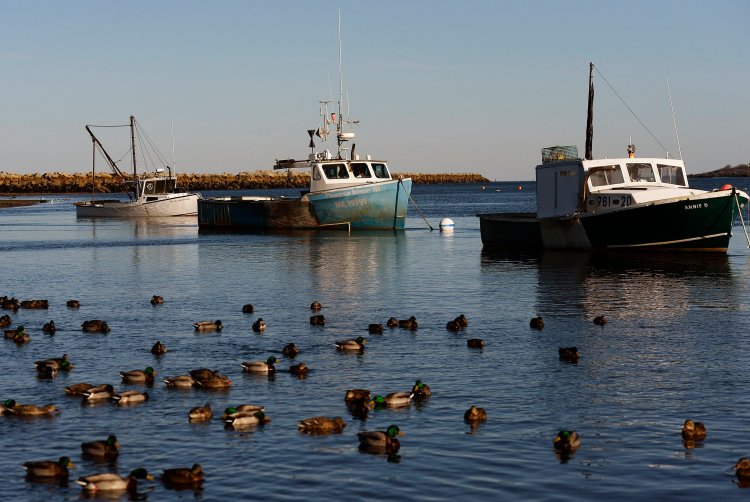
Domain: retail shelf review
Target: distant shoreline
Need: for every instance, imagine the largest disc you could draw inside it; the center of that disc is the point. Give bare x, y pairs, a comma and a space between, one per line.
65, 183
738, 171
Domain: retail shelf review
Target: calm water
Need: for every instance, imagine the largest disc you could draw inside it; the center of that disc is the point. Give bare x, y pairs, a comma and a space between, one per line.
673, 349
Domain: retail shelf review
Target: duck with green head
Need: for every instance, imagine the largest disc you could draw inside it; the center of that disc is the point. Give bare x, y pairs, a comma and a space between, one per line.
111, 482
139, 376
380, 441
242, 408
107, 449
10, 334
567, 440
49, 469
393, 400
262, 367
244, 419
420, 390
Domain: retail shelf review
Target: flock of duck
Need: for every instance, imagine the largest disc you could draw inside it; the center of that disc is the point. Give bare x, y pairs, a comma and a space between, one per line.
358, 401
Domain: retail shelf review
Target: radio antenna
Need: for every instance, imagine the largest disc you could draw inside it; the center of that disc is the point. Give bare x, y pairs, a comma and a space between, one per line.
674, 120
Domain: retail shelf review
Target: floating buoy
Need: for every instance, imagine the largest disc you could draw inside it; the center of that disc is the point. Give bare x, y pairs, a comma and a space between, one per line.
520, 188
726, 186
446, 225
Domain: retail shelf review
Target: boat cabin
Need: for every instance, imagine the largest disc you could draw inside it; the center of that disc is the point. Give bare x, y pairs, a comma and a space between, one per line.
569, 186
327, 173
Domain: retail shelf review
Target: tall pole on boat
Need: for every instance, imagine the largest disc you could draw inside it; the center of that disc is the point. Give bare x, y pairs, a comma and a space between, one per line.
132, 142
590, 116
93, 163
341, 92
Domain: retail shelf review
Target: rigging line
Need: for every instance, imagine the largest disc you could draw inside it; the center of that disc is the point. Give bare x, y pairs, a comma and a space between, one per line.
93, 125
630, 109
157, 153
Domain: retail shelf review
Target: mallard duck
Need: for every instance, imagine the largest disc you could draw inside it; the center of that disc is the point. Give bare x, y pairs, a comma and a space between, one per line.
742, 469
259, 325
420, 390
475, 343
107, 449
358, 344
600, 320
569, 354
180, 382
462, 321
567, 440
110, 482
322, 425
216, 382
266, 367
392, 322
95, 326
77, 389
693, 431
300, 369
10, 334
73, 304
159, 349
58, 363
453, 326
410, 323
9, 304
138, 376
204, 373
375, 329
103, 391
475, 414
318, 320
248, 308
6, 405
357, 395
537, 323
242, 408
208, 325
200, 413
21, 338
34, 304
290, 350
49, 469
130, 397
315, 306
49, 327
157, 300
30, 410
380, 441
246, 419
393, 400
183, 476
5, 321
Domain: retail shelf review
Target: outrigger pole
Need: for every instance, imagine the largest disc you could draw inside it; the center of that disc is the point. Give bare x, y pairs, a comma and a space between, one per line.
590, 116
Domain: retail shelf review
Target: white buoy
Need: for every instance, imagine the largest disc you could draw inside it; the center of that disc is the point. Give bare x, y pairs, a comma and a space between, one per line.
447, 225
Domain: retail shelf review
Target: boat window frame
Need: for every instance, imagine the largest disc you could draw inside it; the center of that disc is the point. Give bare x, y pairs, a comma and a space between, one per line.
375, 168
340, 167
366, 173
605, 173
316, 173
639, 179
674, 168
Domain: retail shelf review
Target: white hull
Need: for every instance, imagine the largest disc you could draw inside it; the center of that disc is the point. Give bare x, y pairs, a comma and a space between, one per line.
174, 204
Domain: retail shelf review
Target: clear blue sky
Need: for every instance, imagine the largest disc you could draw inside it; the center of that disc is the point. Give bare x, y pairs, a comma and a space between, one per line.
472, 86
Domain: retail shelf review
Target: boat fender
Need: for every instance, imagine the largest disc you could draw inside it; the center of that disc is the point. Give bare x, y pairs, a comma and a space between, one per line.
726, 186
447, 225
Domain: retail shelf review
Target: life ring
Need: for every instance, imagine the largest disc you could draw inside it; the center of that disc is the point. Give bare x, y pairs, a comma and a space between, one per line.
149, 186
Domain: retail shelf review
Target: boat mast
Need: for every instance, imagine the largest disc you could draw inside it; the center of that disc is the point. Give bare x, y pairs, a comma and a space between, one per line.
590, 116
339, 128
132, 142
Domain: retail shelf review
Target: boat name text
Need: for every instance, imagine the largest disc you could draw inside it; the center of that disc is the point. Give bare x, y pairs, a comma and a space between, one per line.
609, 201
351, 203
696, 206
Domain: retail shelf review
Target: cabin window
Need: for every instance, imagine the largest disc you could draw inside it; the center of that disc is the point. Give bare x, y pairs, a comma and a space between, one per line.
606, 175
360, 170
671, 174
335, 171
641, 172
316, 173
381, 171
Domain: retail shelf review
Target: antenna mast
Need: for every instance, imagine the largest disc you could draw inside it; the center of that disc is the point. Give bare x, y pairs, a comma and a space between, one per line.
590, 116
674, 120
341, 91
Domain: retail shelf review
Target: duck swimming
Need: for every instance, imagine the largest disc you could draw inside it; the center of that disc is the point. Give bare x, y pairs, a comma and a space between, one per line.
157, 300
35, 304
600, 320
259, 325
315, 306
29, 410
77, 388
215, 382
107, 449
693, 431
375, 329
10, 334
380, 441
246, 419
5, 321
130, 397
201, 413
49, 327
410, 323
73, 304
742, 469
290, 350
95, 326
537, 323
208, 325
420, 390
393, 400
358, 344
392, 322
110, 482
567, 440
475, 415
568, 354
183, 476
248, 308
242, 408
103, 391
300, 369
159, 349
139, 376
322, 425
318, 320
49, 469
58, 363
180, 382
475, 343
265, 367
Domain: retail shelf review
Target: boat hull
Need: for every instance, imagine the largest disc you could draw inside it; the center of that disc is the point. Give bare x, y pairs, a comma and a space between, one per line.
372, 206
701, 223
181, 204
